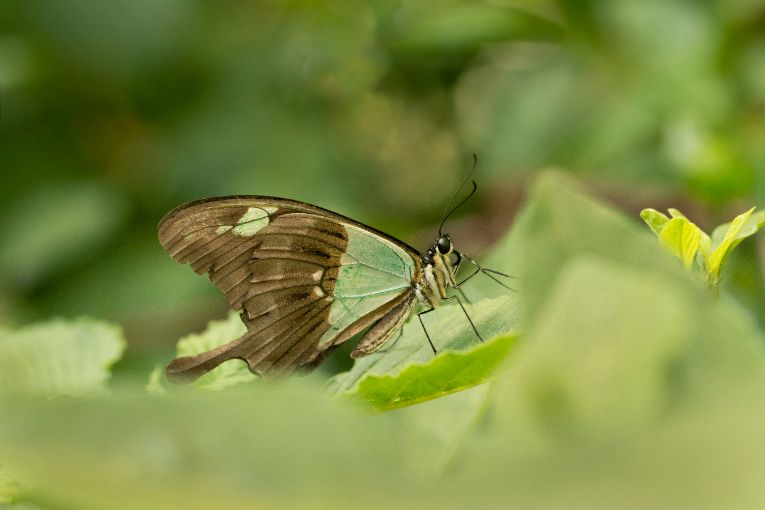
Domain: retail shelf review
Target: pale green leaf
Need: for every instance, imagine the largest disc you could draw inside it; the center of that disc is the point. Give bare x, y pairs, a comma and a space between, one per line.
447, 373
674, 213
226, 374
654, 219
705, 248
449, 329
738, 230
755, 222
682, 239
59, 357
676, 233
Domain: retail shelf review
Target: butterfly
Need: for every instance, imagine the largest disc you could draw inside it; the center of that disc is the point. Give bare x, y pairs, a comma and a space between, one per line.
305, 279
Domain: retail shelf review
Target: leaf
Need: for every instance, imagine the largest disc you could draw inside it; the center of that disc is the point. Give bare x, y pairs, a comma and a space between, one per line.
560, 223
449, 329
679, 235
447, 373
9, 489
444, 426
619, 360
59, 357
738, 230
281, 446
682, 238
675, 213
654, 219
755, 222
225, 375
610, 323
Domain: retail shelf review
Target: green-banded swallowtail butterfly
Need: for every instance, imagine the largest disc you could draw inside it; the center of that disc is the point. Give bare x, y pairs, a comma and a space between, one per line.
305, 279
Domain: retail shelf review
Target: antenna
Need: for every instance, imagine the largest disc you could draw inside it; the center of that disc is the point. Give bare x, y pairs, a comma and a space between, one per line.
448, 204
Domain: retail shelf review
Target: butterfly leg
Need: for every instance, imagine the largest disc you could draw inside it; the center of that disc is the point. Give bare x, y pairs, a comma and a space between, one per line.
468, 316
468, 278
419, 316
488, 272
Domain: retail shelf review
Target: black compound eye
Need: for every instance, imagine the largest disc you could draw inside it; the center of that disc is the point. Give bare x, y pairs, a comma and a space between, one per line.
444, 245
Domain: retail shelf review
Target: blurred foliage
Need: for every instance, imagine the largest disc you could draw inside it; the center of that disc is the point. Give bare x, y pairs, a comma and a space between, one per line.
227, 374
59, 358
112, 114
631, 386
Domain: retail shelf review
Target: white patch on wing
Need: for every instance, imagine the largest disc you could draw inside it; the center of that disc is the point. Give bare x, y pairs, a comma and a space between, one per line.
253, 221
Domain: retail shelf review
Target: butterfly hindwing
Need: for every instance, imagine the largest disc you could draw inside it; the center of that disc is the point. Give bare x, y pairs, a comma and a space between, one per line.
304, 278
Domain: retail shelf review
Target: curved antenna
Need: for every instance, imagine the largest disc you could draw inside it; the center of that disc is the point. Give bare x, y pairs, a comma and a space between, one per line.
448, 204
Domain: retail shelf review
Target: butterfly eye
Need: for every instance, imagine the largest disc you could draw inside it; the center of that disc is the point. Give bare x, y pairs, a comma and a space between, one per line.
444, 245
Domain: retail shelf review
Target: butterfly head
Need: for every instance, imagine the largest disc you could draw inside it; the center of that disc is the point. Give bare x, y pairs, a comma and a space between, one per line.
443, 249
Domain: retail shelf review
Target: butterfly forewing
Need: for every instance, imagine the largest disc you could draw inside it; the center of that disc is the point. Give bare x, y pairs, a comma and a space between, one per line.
304, 278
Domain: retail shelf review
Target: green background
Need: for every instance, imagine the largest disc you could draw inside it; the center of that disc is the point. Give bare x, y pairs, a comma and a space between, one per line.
631, 386
115, 112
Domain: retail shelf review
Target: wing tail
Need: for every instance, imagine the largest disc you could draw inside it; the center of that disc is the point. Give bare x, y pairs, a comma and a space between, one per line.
186, 369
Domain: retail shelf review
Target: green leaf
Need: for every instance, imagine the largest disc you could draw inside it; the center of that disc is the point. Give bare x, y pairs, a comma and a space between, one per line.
654, 219
752, 225
559, 223
447, 373
682, 238
283, 446
678, 234
738, 230
449, 329
59, 357
9, 489
225, 375
613, 363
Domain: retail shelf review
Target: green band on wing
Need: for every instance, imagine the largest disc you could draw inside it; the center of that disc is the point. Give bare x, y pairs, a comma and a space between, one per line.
373, 271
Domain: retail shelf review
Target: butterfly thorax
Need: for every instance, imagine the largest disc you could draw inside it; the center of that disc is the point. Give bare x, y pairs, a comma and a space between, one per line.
439, 267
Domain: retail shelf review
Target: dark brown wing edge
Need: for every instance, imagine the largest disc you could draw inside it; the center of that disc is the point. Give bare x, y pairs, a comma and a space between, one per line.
297, 204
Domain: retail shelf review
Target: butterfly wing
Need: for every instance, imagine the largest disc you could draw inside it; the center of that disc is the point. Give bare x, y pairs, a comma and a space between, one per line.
304, 278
